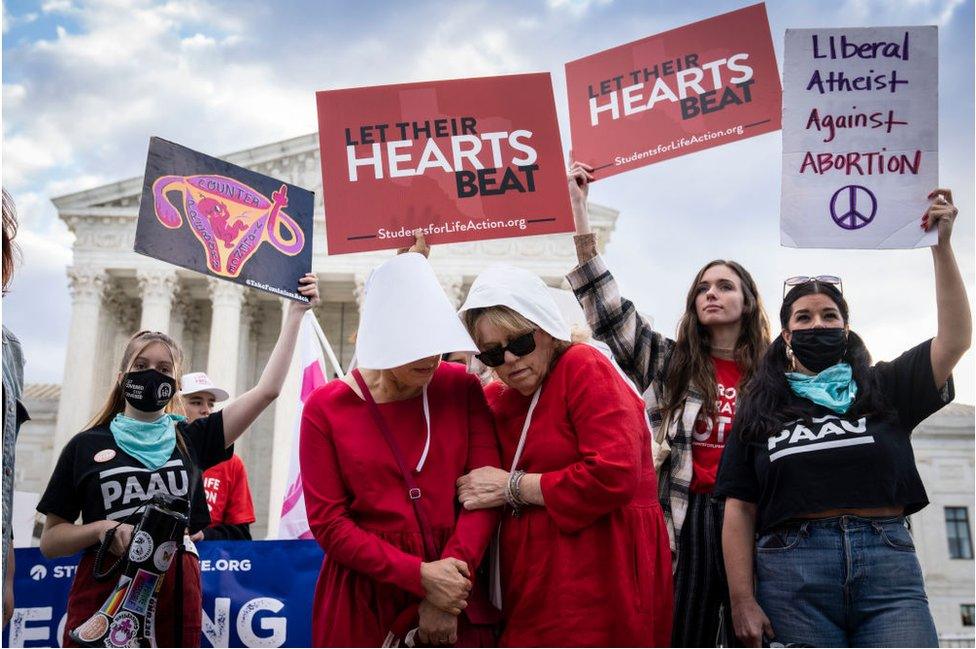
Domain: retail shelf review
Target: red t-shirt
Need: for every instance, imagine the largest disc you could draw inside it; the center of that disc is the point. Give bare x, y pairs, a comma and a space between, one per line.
228, 495
709, 436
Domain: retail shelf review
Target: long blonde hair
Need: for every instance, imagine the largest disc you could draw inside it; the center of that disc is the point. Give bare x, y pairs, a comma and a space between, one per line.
514, 324
115, 402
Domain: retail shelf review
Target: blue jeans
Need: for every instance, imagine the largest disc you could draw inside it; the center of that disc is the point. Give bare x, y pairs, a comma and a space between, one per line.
844, 582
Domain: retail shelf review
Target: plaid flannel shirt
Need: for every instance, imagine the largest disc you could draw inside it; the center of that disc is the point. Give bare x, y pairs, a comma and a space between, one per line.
643, 355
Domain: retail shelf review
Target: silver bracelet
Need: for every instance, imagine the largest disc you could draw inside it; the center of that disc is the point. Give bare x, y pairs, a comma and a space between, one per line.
514, 492
518, 489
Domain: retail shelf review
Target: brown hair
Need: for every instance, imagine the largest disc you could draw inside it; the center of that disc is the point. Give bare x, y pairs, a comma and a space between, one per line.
9, 232
115, 402
511, 322
690, 363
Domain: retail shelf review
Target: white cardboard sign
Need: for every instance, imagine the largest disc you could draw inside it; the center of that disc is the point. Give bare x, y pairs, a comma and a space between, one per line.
860, 136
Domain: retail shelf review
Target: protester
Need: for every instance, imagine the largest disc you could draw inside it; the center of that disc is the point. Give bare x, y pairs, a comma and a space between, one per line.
821, 465
690, 386
14, 412
584, 558
137, 446
225, 484
380, 453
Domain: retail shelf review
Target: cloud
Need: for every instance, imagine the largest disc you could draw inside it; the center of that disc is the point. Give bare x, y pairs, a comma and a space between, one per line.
37, 308
13, 94
454, 50
198, 42
93, 98
577, 8
57, 6
945, 17
10, 21
896, 12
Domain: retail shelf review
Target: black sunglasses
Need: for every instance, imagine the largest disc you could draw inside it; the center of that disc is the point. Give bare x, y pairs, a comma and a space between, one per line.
520, 346
792, 282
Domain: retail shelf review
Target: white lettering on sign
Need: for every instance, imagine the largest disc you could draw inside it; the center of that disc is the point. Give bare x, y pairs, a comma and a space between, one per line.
278, 626
21, 631
464, 151
642, 96
217, 629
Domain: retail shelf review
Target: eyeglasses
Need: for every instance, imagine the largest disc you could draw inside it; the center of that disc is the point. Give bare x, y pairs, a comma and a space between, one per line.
520, 346
793, 282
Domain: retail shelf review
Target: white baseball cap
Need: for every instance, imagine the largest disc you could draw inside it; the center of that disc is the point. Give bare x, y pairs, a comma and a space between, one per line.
199, 382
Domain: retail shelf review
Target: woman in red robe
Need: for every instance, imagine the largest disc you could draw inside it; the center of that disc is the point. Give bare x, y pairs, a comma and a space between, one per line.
378, 580
584, 554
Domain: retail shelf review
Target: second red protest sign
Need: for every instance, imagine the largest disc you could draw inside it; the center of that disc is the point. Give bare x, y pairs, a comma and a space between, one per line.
681, 91
464, 160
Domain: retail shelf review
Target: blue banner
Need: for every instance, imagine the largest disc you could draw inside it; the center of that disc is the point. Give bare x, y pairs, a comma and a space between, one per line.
255, 594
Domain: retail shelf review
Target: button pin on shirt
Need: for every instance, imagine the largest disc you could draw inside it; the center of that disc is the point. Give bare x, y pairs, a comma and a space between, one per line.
104, 455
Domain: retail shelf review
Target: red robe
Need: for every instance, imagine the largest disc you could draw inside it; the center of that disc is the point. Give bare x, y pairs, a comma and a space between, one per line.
359, 511
592, 567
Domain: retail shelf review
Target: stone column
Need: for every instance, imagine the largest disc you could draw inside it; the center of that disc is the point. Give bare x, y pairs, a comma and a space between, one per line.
188, 322
74, 407
359, 289
157, 288
225, 332
453, 286
246, 375
177, 322
123, 320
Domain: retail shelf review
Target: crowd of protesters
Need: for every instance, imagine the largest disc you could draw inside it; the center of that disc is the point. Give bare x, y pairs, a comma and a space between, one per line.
548, 505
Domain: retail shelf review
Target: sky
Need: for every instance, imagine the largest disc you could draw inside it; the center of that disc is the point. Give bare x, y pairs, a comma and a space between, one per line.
86, 83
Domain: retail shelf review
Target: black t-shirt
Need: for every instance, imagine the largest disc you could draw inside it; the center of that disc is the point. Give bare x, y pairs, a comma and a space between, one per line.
94, 477
838, 462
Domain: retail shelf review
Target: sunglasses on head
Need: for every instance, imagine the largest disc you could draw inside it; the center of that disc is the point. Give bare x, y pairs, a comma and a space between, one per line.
520, 346
792, 282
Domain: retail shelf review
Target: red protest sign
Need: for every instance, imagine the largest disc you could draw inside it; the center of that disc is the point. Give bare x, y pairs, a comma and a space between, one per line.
464, 160
678, 92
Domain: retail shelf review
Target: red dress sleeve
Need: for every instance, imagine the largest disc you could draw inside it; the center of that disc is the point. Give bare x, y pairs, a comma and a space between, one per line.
474, 528
240, 505
609, 424
326, 501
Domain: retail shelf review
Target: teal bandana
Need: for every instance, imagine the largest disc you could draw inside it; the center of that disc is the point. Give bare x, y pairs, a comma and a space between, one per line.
150, 442
834, 388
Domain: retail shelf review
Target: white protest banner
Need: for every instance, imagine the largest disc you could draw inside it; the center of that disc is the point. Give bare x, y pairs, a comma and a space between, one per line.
312, 341
860, 137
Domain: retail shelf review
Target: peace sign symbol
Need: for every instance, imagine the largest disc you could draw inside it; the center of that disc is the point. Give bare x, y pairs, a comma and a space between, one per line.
855, 199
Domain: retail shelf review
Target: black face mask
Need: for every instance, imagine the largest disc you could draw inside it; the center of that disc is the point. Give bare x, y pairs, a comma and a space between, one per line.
148, 390
818, 349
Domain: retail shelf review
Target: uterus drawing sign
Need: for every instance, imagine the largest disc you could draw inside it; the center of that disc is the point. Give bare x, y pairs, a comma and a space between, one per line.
229, 218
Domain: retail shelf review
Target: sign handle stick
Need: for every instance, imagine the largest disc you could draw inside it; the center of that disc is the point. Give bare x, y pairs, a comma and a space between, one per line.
326, 346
